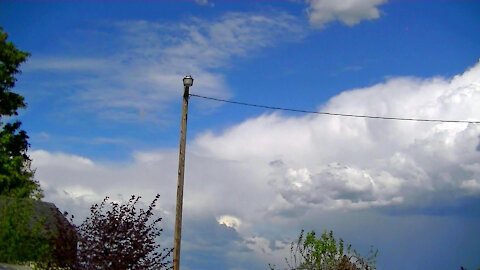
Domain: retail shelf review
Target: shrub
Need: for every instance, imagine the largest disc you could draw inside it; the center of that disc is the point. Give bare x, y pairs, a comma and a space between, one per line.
326, 253
121, 237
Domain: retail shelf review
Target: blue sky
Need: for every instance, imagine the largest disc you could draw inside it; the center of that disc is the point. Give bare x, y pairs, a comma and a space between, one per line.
103, 87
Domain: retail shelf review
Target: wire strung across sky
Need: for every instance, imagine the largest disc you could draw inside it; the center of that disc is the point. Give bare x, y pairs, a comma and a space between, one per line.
336, 114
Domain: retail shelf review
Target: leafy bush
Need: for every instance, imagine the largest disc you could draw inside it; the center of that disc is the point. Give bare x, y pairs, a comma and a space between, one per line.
121, 238
22, 237
325, 253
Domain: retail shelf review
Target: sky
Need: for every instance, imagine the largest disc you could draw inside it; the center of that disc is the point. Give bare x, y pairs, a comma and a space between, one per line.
104, 89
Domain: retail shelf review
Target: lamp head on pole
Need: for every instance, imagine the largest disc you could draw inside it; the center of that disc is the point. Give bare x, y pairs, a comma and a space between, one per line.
187, 81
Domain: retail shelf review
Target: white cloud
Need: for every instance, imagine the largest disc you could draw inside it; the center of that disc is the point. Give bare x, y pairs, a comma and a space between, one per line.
142, 70
472, 185
229, 221
334, 162
337, 186
349, 12
44, 158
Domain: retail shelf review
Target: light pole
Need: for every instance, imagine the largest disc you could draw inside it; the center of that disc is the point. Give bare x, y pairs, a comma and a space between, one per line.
187, 82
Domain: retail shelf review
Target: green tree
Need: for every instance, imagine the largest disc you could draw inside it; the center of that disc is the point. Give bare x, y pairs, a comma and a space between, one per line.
23, 236
16, 176
326, 253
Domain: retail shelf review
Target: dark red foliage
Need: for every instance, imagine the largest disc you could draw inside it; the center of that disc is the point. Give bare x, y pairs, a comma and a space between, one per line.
121, 238
64, 242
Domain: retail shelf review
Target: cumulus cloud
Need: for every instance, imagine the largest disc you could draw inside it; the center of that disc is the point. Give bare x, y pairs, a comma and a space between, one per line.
75, 182
210, 237
337, 186
349, 12
334, 162
276, 172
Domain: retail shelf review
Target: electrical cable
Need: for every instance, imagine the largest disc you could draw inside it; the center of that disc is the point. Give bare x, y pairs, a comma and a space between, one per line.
335, 114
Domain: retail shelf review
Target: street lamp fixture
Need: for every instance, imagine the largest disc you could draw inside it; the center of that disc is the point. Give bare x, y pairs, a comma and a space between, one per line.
188, 81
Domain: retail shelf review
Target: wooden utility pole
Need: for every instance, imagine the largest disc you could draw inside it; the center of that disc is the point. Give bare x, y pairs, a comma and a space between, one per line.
187, 82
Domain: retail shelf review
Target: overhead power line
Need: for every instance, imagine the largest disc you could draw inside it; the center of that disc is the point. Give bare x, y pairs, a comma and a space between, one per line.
335, 114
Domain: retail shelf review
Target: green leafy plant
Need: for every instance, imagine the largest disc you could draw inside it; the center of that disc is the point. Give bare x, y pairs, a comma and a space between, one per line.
326, 253
22, 237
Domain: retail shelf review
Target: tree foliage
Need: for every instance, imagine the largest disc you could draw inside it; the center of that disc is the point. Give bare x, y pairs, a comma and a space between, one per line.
10, 60
22, 238
122, 237
36, 233
326, 253
16, 176
63, 240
